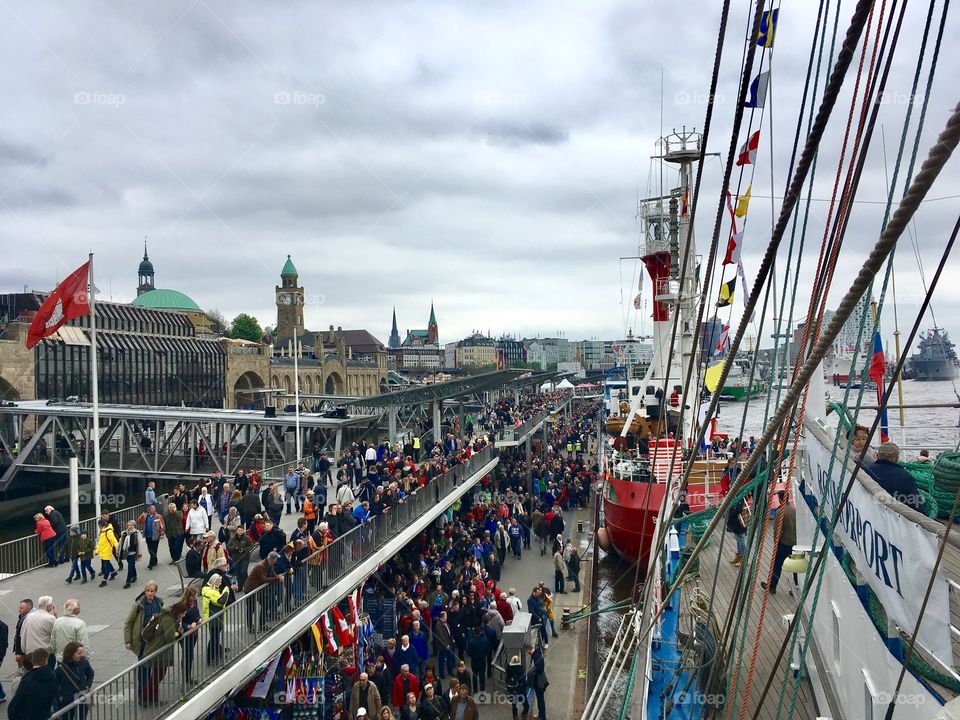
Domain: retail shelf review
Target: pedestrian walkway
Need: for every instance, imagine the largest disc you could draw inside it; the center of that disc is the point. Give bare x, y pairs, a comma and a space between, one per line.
104, 609
567, 655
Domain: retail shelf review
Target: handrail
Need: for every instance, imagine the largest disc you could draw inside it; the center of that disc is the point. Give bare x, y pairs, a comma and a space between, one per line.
26, 553
180, 666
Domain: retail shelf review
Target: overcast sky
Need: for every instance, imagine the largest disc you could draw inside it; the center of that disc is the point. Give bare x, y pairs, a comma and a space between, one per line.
487, 156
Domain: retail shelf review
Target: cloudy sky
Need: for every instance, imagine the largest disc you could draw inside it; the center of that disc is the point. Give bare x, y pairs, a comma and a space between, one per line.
488, 156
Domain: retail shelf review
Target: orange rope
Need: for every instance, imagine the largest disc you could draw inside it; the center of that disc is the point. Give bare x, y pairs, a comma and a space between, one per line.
827, 278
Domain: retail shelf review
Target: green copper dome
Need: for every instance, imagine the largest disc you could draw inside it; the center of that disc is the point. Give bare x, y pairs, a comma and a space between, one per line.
160, 299
288, 268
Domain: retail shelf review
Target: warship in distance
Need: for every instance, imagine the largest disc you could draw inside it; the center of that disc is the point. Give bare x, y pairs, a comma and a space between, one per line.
935, 358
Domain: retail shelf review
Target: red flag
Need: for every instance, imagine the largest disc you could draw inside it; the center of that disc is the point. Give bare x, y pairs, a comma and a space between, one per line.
733, 249
68, 301
344, 636
748, 151
876, 372
685, 203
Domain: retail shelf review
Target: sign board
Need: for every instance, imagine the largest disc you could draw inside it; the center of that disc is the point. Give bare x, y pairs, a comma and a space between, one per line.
893, 554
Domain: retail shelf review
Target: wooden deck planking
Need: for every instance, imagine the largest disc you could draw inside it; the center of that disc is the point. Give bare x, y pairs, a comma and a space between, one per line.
773, 631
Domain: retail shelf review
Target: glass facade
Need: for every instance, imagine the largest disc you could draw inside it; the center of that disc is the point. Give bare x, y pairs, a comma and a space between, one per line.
146, 357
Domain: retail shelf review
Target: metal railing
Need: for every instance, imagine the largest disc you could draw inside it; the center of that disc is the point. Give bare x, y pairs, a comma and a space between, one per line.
26, 553
164, 678
513, 434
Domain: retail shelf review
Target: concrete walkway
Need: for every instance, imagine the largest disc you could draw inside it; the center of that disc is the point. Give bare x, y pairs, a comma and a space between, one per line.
104, 609
566, 656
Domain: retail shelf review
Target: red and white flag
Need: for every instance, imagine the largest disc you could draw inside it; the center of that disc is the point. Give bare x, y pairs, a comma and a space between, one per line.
68, 301
724, 338
733, 249
748, 151
354, 600
344, 636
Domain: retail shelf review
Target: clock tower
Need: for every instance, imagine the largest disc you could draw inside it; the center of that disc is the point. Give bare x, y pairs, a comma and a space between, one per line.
289, 302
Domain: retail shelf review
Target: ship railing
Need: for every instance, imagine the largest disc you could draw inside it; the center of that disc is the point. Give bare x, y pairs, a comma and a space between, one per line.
26, 553
165, 678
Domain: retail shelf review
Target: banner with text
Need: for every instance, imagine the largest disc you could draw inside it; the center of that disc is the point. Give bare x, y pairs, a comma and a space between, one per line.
894, 555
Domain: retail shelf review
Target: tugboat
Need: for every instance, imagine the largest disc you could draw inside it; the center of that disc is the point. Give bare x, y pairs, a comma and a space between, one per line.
935, 358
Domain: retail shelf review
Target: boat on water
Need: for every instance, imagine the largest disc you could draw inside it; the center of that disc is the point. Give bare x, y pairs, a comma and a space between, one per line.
644, 413
935, 358
743, 382
851, 612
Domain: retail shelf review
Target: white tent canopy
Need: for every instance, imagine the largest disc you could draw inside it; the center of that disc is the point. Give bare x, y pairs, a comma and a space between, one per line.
564, 384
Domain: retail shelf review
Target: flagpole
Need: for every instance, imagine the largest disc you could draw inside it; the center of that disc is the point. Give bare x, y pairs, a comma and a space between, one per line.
94, 389
296, 389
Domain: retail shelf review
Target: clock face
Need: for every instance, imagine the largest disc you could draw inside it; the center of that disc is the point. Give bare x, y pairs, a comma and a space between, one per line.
286, 299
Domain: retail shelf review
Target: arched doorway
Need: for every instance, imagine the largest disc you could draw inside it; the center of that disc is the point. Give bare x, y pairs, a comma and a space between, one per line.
242, 395
334, 384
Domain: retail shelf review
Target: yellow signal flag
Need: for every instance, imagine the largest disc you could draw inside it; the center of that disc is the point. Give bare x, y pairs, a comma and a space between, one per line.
743, 202
726, 292
711, 377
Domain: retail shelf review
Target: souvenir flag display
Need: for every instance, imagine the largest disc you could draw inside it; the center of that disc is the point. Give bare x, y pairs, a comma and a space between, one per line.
733, 249
758, 91
876, 372
354, 600
69, 300
344, 636
317, 630
768, 28
743, 202
260, 685
328, 632
726, 292
685, 203
724, 338
748, 151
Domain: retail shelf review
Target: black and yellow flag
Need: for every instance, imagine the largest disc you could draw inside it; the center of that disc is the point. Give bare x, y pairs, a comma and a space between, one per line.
726, 292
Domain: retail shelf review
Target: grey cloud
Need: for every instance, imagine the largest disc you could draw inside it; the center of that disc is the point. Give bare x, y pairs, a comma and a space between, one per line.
519, 133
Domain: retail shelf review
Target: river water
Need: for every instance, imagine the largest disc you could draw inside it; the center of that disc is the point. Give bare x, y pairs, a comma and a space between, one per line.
933, 428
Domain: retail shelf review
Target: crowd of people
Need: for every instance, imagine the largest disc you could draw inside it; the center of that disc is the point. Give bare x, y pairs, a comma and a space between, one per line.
451, 605
246, 548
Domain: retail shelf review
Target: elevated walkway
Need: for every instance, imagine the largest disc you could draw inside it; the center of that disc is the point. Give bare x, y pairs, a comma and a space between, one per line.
522, 433
260, 624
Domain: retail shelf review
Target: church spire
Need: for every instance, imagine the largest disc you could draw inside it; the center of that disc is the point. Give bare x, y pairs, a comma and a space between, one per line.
394, 341
433, 332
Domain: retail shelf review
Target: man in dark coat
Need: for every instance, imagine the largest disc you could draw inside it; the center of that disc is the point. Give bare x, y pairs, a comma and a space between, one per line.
59, 526
479, 650
36, 691
891, 476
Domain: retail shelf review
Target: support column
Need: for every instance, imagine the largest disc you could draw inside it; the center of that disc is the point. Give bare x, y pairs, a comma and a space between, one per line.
336, 446
528, 450
392, 424
437, 432
462, 416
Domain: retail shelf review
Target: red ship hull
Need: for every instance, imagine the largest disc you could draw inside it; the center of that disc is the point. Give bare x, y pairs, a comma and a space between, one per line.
630, 512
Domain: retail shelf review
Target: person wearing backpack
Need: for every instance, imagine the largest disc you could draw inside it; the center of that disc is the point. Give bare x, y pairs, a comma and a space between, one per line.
140, 628
130, 549
106, 546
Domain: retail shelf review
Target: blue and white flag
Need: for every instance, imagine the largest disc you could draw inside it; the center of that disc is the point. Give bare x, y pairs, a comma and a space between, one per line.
758, 91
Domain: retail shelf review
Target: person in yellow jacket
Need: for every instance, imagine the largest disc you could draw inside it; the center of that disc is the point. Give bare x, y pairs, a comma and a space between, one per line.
213, 598
548, 603
416, 448
106, 547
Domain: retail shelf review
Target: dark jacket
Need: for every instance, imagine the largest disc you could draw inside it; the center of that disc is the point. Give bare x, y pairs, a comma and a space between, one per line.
173, 524
734, 524
193, 563
272, 541
537, 676
249, 505
898, 482
34, 696
57, 522
435, 708
4, 637
72, 679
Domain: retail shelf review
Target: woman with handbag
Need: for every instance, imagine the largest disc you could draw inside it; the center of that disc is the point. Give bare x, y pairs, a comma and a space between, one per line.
74, 679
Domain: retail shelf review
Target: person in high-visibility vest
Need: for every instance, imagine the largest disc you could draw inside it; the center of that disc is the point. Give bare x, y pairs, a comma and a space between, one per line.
416, 448
579, 448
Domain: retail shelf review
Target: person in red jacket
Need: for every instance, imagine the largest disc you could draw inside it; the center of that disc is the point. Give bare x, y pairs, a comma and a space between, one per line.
405, 682
48, 538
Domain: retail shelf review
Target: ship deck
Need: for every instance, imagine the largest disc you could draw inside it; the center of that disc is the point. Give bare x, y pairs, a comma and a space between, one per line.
771, 636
